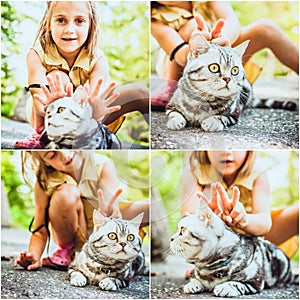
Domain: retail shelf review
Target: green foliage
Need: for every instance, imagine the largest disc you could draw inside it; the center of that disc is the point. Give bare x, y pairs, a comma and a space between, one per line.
125, 36
9, 87
19, 195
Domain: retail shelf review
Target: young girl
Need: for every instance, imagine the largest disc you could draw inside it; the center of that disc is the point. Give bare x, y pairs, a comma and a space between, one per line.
238, 192
67, 44
69, 186
173, 22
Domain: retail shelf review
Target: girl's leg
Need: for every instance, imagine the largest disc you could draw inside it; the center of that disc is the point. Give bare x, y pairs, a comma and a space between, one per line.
132, 210
266, 34
66, 213
133, 97
284, 225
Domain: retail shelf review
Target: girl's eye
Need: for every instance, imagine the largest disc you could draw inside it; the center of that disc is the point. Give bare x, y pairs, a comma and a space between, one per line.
60, 109
130, 237
235, 71
60, 20
214, 68
80, 21
112, 236
182, 230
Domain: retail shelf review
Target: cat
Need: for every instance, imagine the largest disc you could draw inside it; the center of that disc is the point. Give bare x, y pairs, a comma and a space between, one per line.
226, 262
213, 89
112, 256
69, 123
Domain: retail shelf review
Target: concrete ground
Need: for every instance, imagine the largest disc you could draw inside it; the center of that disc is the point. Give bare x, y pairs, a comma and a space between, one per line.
257, 128
168, 279
16, 283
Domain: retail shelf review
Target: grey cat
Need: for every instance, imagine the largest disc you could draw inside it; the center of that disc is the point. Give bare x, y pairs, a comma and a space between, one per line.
226, 262
213, 89
112, 256
69, 123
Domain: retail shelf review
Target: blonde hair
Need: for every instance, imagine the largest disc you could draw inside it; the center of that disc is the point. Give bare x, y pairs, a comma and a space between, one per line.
34, 168
44, 33
198, 158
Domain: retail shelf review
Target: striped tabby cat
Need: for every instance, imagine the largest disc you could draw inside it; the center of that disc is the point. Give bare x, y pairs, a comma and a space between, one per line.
111, 256
213, 89
69, 123
226, 262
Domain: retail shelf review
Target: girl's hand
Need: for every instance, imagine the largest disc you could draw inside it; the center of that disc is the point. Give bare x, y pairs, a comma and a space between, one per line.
27, 261
233, 211
110, 208
100, 101
57, 90
215, 35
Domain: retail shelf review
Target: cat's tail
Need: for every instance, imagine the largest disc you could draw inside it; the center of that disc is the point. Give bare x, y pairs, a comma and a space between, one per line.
273, 103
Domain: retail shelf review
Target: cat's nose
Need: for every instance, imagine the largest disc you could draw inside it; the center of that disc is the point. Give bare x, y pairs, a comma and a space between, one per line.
226, 79
123, 244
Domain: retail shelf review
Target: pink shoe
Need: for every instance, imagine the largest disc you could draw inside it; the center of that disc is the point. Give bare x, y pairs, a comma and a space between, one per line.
162, 95
60, 258
30, 142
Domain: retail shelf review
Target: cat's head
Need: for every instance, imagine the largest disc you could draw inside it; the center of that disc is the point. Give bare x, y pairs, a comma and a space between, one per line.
198, 234
69, 115
215, 70
115, 240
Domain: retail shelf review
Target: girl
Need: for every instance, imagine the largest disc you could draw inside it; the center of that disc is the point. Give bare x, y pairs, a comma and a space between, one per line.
176, 20
67, 44
69, 186
240, 196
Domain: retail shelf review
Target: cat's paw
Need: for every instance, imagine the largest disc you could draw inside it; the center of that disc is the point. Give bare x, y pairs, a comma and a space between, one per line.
212, 124
77, 279
176, 121
232, 289
108, 284
193, 287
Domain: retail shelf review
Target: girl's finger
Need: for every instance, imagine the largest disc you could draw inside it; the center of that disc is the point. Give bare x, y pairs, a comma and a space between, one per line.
226, 203
201, 24
51, 83
58, 83
112, 109
69, 89
235, 196
216, 31
96, 90
101, 198
108, 90
40, 99
111, 99
114, 197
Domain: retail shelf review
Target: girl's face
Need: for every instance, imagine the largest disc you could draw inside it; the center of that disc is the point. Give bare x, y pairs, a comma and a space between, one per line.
227, 163
65, 161
70, 23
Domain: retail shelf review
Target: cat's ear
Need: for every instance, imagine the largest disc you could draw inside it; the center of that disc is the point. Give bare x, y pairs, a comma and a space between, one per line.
136, 221
80, 95
198, 45
203, 211
240, 49
99, 219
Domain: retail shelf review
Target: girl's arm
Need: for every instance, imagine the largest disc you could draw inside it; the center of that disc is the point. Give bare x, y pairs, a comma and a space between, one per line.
36, 74
31, 259
108, 192
223, 10
259, 222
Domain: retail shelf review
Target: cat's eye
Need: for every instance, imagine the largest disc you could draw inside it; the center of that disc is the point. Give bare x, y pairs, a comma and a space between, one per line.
130, 237
60, 109
214, 68
112, 236
182, 230
235, 71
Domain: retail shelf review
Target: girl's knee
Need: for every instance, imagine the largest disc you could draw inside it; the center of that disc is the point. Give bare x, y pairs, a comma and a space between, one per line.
64, 77
265, 28
66, 195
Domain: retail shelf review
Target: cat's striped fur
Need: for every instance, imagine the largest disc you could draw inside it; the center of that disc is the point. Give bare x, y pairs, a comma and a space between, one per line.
69, 124
226, 262
213, 89
112, 256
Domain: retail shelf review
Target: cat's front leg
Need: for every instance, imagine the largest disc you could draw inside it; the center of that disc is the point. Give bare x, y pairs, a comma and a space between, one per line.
77, 279
112, 284
212, 124
176, 121
193, 287
233, 289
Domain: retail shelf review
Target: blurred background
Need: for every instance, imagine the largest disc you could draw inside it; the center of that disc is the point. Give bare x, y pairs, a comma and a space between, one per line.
124, 37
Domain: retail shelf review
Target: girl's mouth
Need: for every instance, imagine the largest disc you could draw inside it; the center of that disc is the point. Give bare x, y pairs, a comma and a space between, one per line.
69, 39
